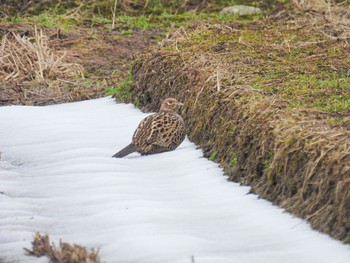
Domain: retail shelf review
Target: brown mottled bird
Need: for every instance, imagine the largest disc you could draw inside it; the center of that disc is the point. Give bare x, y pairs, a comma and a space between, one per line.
159, 132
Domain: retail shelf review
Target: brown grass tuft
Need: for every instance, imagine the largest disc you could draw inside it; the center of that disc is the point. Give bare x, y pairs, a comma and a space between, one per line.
23, 59
65, 253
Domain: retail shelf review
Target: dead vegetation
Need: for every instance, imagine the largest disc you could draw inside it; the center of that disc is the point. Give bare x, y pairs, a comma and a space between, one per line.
45, 66
32, 72
293, 155
30, 58
331, 17
65, 253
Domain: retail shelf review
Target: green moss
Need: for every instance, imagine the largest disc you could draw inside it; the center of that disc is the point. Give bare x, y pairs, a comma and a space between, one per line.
329, 93
100, 19
213, 156
48, 20
233, 161
122, 91
127, 32
141, 22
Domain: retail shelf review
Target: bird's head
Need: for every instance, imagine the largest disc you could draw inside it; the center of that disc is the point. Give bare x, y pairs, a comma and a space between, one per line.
170, 105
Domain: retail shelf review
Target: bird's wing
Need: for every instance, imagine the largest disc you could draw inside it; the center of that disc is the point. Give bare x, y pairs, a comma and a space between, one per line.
157, 130
142, 131
159, 127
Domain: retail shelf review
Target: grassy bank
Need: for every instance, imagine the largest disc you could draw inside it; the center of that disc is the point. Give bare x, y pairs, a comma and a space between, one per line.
269, 101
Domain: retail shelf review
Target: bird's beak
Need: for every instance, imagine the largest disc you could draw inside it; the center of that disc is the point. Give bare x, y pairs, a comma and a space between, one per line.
180, 103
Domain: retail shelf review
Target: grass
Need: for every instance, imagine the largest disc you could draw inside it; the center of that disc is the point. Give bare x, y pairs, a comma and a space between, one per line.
285, 66
267, 166
347, 238
48, 20
37, 61
329, 93
167, 20
126, 24
104, 7
141, 22
100, 19
213, 156
233, 161
122, 91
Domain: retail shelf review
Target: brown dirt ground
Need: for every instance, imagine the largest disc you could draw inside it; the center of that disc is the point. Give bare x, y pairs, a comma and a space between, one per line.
104, 55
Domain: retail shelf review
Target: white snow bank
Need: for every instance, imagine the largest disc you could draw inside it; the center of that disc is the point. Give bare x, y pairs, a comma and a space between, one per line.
57, 177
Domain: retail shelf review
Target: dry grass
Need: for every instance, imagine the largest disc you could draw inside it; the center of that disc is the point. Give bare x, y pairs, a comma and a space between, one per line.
65, 253
23, 58
335, 15
105, 62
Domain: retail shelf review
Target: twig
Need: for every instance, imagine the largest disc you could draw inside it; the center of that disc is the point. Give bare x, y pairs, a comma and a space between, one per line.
218, 85
114, 13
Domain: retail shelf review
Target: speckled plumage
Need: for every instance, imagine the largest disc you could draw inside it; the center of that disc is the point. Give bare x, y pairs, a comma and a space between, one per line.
160, 132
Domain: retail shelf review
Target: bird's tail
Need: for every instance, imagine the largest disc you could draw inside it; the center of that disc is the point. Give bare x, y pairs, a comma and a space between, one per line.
125, 151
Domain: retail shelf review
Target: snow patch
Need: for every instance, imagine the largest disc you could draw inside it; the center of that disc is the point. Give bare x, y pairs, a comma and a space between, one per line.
57, 177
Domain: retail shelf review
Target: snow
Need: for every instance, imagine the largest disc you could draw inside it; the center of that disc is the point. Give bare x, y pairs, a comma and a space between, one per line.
57, 177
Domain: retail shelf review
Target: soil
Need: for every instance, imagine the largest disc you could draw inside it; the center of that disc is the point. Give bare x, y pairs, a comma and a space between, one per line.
105, 56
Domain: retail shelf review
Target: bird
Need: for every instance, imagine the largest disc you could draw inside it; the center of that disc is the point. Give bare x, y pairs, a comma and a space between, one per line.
160, 132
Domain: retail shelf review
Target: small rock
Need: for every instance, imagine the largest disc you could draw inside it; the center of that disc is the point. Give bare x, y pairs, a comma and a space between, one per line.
240, 10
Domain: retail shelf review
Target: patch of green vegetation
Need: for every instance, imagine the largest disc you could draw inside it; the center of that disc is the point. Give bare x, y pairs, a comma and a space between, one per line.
127, 32
141, 22
122, 91
17, 19
222, 120
232, 129
267, 167
181, 19
155, 14
340, 120
88, 84
166, 20
290, 139
48, 20
213, 156
100, 19
233, 161
346, 239
329, 93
